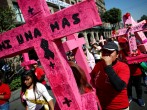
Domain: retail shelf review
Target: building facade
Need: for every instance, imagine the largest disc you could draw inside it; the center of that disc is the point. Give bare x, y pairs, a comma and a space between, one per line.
57, 5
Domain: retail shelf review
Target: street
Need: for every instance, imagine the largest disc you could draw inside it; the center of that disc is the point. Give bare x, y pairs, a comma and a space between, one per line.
15, 103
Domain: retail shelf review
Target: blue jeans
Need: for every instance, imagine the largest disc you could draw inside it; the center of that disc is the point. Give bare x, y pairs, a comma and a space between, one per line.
4, 106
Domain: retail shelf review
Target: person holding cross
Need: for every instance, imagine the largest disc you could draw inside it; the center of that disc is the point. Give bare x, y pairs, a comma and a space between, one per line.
135, 71
109, 80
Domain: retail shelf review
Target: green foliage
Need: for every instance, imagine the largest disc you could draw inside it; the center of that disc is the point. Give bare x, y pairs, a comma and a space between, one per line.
112, 16
7, 19
106, 17
15, 84
143, 17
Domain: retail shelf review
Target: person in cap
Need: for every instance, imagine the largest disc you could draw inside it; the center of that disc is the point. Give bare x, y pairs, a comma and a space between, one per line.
135, 71
110, 78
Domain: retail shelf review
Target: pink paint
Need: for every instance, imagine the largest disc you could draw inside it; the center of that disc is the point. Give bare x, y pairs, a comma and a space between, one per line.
42, 32
26, 62
137, 59
102, 40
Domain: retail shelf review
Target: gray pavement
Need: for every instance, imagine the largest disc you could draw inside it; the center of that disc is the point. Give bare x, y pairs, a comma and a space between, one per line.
134, 105
15, 103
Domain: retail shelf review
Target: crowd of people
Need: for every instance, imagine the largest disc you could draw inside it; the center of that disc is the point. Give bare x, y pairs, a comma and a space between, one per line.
109, 72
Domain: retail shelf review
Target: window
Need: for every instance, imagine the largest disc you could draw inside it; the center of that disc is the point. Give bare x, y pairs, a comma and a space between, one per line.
19, 16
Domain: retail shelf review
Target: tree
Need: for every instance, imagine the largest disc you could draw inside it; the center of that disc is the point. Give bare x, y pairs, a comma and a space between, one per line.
113, 16
7, 19
143, 17
7, 22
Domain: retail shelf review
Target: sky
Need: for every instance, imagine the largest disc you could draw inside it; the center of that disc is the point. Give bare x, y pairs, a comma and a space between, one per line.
136, 8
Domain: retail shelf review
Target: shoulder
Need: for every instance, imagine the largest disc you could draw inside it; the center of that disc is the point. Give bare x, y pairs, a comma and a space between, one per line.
39, 69
5, 85
99, 65
38, 84
122, 65
40, 87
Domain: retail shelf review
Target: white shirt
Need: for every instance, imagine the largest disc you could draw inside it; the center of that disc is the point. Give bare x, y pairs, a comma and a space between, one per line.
40, 92
95, 54
90, 59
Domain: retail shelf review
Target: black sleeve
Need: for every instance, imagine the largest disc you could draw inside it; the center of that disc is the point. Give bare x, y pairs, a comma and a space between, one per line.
117, 83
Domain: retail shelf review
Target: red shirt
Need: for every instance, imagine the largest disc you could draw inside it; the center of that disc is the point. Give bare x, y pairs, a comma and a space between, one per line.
134, 68
4, 90
109, 98
39, 72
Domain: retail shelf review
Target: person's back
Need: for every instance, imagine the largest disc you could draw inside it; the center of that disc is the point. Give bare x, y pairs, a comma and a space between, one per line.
39, 72
40, 75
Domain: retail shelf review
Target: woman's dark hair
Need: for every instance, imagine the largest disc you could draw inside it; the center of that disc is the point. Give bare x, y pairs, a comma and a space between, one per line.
80, 77
23, 78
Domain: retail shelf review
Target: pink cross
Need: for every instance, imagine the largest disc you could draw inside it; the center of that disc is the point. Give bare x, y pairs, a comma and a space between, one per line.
43, 32
133, 30
76, 46
102, 40
27, 62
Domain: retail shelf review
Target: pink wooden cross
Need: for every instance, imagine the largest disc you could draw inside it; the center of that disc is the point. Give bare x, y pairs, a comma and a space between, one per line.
132, 30
76, 46
102, 40
26, 61
43, 32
